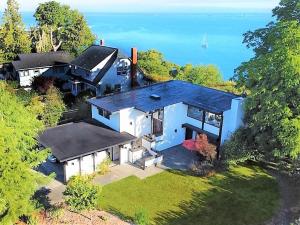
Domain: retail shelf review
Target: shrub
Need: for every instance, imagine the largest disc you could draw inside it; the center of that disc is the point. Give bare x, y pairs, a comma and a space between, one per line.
42, 84
103, 167
204, 148
141, 217
54, 107
81, 193
56, 212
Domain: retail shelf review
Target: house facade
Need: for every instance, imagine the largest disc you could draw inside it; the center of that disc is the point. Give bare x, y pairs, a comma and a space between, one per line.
28, 66
105, 70
164, 115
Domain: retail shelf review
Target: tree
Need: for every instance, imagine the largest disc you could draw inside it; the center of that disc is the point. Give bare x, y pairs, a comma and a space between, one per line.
207, 75
273, 78
53, 107
155, 66
81, 193
67, 29
18, 155
13, 37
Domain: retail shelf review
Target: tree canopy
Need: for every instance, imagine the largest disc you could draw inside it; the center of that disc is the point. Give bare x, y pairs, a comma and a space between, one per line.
273, 78
157, 68
61, 28
13, 37
18, 155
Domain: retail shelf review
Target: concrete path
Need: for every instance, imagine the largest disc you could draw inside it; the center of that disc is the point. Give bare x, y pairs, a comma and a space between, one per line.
122, 171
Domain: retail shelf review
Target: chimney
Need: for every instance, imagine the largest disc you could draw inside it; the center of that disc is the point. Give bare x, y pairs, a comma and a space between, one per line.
102, 42
134, 61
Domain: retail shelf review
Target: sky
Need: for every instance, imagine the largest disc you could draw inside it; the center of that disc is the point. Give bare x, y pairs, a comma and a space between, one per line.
155, 5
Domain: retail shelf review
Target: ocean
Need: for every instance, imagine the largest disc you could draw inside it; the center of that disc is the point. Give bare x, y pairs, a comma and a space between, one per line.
202, 38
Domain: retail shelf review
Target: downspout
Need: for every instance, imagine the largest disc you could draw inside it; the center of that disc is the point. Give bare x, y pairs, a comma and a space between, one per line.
220, 138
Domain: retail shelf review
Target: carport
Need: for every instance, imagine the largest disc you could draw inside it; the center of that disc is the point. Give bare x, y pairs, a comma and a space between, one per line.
82, 146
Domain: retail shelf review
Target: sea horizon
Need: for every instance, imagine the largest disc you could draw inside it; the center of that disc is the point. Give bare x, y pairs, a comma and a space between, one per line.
201, 38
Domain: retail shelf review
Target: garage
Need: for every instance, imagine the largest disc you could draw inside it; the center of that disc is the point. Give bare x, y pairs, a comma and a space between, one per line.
81, 147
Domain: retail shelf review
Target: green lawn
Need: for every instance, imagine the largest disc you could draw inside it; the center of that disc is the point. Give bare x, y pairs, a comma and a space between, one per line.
245, 195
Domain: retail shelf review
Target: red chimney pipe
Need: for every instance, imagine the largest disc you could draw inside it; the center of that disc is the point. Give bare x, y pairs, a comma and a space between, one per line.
102, 42
134, 62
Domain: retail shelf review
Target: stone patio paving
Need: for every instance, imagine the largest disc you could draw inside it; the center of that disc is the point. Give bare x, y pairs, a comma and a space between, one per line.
122, 171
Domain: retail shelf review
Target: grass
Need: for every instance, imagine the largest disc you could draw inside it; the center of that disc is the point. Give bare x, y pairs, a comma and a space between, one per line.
244, 195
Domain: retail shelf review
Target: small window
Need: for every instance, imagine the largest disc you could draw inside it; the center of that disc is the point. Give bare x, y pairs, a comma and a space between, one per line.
122, 68
104, 113
195, 113
36, 72
213, 119
118, 88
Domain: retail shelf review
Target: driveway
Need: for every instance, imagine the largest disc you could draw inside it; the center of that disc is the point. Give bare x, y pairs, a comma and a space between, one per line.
178, 158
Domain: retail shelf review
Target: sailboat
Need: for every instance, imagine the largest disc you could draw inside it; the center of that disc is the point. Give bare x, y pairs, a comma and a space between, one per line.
204, 42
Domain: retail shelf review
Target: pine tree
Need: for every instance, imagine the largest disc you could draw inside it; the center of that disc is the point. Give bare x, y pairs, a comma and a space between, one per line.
13, 37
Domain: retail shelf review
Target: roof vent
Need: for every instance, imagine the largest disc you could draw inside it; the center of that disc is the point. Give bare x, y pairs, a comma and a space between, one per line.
155, 97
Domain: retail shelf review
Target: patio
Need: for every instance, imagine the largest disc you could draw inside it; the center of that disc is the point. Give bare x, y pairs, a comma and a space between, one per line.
178, 158
119, 172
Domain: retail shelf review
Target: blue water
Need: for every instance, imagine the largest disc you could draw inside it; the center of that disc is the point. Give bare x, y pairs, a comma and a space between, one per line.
180, 36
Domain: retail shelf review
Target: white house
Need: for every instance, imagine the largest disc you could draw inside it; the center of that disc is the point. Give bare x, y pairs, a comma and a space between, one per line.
28, 66
163, 115
105, 70
135, 126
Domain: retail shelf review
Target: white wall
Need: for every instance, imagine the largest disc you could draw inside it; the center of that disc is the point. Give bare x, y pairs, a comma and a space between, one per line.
124, 153
174, 117
71, 168
88, 164
233, 118
26, 80
113, 122
111, 78
135, 122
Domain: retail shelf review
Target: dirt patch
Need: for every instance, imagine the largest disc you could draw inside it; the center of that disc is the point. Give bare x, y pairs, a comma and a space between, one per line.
289, 211
93, 217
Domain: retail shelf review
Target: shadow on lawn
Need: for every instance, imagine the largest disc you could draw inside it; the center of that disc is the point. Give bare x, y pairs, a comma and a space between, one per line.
234, 199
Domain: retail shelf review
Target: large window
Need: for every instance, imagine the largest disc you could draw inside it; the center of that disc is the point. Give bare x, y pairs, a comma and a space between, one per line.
157, 123
195, 113
213, 119
104, 113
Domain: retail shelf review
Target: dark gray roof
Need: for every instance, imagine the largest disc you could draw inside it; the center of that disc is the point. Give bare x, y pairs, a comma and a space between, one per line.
170, 92
92, 56
39, 60
72, 140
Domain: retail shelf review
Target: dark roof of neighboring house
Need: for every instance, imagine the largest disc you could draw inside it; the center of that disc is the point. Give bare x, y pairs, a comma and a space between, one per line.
170, 92
92, 56
39, 60
74, 140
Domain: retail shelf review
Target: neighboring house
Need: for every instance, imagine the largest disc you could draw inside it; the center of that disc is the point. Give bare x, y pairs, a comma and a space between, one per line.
105, 70
163, 115
28, 66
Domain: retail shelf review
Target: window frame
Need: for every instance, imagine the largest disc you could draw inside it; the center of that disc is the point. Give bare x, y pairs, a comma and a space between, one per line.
104, 113
208, 115
195, 117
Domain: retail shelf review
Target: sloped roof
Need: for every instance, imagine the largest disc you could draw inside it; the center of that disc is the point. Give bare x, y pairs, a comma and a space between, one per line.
92, 56
39, 60
170, 93
73, 140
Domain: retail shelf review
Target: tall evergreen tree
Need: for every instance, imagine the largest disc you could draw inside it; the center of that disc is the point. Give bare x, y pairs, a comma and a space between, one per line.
13, 37
273, 79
